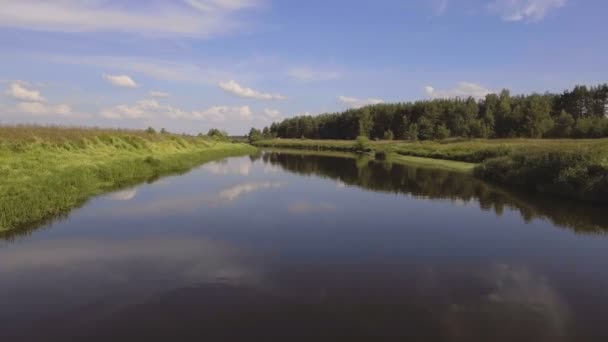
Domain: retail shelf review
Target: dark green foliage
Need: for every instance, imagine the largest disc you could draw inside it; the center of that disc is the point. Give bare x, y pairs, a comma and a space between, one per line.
573, 173
150, 130
570, 168
218, 135
496, 116
442, 132
255, 135
563, 125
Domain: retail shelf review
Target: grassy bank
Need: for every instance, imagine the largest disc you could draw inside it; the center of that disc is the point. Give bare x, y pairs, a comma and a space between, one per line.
576, 169
45, 171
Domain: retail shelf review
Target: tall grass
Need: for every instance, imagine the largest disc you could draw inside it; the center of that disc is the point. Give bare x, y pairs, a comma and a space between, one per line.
48, 170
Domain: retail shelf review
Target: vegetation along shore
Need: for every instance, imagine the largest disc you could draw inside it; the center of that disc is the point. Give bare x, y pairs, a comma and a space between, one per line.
45, 171
550, 143
576, 169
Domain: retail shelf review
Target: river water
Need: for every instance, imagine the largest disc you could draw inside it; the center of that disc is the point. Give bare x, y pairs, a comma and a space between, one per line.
290, 246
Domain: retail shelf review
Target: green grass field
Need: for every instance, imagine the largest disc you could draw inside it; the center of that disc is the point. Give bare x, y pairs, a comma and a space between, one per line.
576, 169
45, 171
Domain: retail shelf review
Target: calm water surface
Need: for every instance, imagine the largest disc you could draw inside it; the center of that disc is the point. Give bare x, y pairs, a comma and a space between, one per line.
284, 246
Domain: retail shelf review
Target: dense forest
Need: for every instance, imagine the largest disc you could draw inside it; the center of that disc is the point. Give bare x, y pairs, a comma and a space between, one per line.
579, 113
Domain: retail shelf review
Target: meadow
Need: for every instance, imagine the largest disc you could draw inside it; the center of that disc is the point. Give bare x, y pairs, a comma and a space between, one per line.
45, 171
576, 169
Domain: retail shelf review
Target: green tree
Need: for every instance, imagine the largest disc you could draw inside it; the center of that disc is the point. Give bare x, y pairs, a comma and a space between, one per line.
365, 122
563, 125
503, 114
388, 135
426, 128
255, 135
362, 143
442, 132
217, 134
412, 132
537, 119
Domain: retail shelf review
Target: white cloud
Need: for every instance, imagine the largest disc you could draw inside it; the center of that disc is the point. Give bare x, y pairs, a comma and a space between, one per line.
215, 5
120, 80
462, 90
272, 113
238, 90
152, 108
228, 168
517, 10
234, 192
19, 91
32, 102
156, 18
165, 70
159, 94
353, 102
124, 195
439, 6
307, 74
38, 108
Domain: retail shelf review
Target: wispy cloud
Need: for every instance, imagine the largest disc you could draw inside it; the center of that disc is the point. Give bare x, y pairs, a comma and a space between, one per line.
236, 89
439, 6
123, 81
123, 195
462, 90
158, 94
218, 5
309, 74
354, 102
32, 102
152, 108
38, 108
271, 113
20, 91
232, 193
164, 70
159, 18
518, 10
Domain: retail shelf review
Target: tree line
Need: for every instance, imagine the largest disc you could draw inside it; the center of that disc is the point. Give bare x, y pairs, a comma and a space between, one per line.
578, 113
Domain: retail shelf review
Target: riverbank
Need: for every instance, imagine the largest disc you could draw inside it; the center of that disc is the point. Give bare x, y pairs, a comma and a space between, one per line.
45, 171
575, 169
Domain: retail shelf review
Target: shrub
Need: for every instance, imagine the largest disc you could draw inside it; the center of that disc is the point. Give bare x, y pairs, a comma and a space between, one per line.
576, 174
362, 143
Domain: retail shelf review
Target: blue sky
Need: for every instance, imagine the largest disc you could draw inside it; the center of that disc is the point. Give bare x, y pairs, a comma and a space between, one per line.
189, 65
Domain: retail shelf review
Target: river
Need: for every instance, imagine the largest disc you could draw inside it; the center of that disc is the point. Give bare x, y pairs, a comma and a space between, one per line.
292, 246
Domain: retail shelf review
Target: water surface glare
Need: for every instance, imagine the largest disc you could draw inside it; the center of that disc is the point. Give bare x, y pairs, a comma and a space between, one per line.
290, 246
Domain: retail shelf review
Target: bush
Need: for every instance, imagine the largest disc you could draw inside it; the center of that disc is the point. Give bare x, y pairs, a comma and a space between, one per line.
576, 174
216, 134
362, 143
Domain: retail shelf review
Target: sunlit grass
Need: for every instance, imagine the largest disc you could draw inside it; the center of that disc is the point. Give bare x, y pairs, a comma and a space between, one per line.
47, 170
